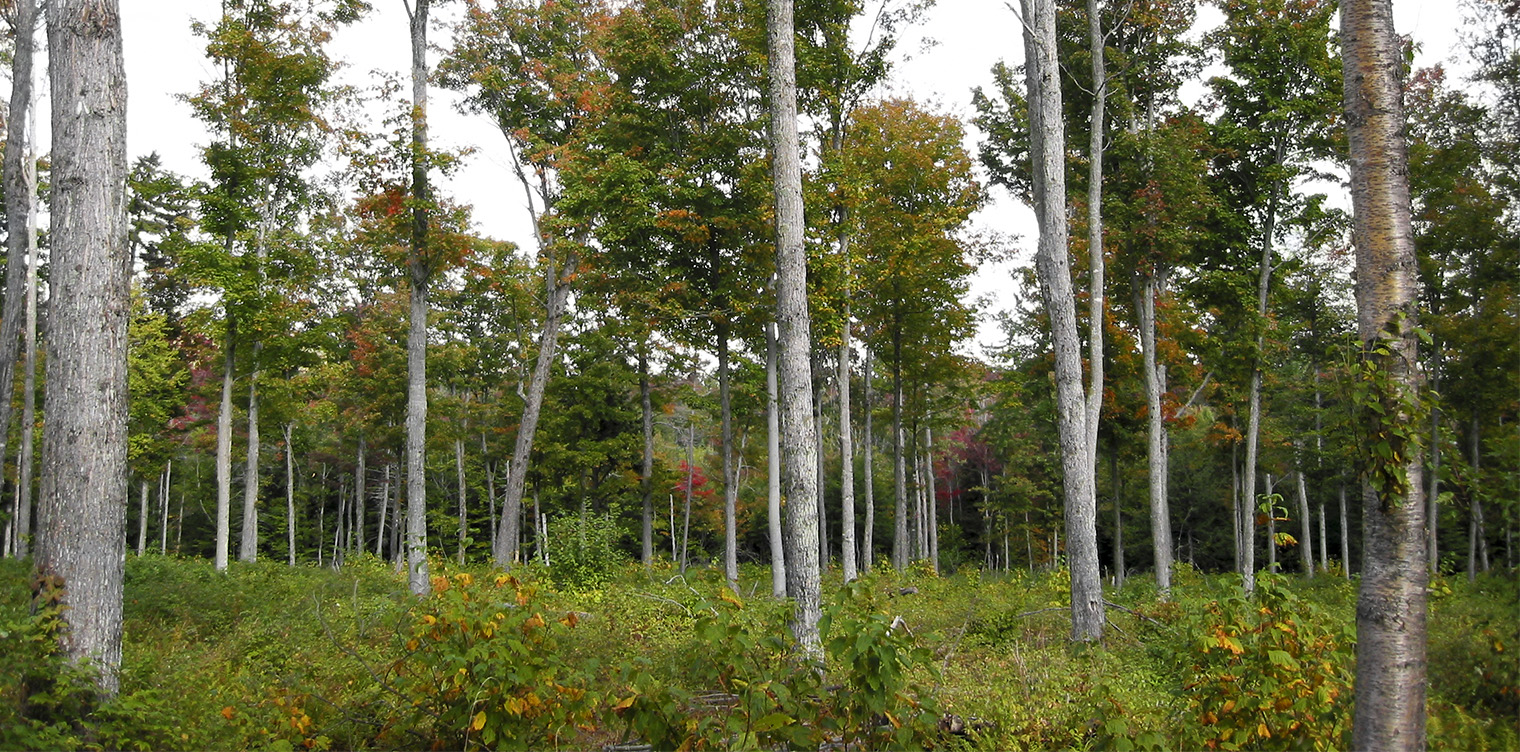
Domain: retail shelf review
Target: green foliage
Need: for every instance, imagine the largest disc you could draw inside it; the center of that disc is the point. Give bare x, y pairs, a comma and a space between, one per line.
1269, 672
584, 551
482, 667
1389, 412
768, 695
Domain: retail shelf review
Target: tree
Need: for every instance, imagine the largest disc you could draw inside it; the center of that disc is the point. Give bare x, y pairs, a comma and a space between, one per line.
1047, 151
20, 178
1390, 648
419, 271
799, 447
82, 509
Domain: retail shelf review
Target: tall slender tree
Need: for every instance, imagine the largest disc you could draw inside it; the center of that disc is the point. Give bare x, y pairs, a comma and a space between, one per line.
1047, 157
419, 273
798, 439
1390, 649
82, 511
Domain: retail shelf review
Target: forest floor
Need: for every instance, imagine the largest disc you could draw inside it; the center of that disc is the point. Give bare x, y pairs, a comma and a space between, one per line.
269, 656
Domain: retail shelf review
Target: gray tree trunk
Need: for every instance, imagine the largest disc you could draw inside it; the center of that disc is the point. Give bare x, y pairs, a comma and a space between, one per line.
418, 266
385, 495
29, 388
361, 485
459, 472
248, 546
933, 499
646, 470
142, 517
868, 445
730, 471
847, 548
798, 442
224, 453
1052, 264
558, 289
1477, 538
1095, 236
773, 466
1306, 531
20, 178
1345, 533
900, 552
81, 528
290, 495
163, 499
1390, 610
1432, 500
1253, 422
1156, 446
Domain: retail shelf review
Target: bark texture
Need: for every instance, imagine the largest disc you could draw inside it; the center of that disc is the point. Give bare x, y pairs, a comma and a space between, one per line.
416, 340
798, 439
773, 467
1054, 269
1390, 611
20, 176
1156, 446
81, 546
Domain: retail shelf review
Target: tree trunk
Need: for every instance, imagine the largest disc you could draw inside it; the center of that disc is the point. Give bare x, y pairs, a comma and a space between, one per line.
1432, 500
1390, 647
142, 517
163, 499
290, 495
1095, 239
1253, 422
459, 473
82, 514
899, 462
868, 444
248, 548
20, 178
730, 472
798, 442
1477, 537
419, 268
1156, 446
816, 362
1053, 266
224, 453
361, 492
558, 289
385, 495
691, 458
933, 519
773, 467
847, 548
646, 470
1305, 546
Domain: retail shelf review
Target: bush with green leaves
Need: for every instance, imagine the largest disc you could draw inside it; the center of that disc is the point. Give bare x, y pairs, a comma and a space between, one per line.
584, 550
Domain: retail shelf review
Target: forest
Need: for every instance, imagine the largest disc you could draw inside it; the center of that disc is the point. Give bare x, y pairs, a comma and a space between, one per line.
297, 456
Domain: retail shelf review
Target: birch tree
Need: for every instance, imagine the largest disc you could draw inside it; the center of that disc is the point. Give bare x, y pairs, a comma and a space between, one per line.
1391, 611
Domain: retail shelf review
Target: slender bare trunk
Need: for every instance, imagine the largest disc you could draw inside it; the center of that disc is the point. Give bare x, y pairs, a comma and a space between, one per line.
730, 471
385, 495
142, 517
868, 443
1054, 269
1391, 611
799, 444
361, 500
163, 500
290, 495
691, 459
773, 467
1305, 546
20, 179
847, 548
459, 474
646, 470
1156, 446
28, 390
933, 500
900, 552
1253, 422
248, 548
1095, 235
558, 281
419, 267
224, 453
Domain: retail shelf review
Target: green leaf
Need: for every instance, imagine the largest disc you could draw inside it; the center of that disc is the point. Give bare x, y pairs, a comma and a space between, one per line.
772, 722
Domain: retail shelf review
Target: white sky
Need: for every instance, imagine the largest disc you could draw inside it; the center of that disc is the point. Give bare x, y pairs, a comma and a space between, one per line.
165, 60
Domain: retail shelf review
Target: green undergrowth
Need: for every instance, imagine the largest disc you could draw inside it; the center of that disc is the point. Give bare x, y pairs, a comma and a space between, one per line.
272, 657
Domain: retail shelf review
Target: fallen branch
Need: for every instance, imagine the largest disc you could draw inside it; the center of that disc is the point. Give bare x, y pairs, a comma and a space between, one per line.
1132, 612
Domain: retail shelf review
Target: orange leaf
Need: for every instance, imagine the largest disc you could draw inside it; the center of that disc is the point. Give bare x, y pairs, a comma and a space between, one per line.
228, 712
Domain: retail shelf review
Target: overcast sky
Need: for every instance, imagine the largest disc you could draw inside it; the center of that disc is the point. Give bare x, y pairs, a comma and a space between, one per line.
941, 61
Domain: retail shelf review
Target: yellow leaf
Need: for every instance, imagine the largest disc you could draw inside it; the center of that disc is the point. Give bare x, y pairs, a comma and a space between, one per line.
1229, 705
479, 721
729, 596
625, 704
534, 622
893, 719
1261, 731
429, 619
571, 619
